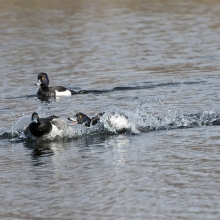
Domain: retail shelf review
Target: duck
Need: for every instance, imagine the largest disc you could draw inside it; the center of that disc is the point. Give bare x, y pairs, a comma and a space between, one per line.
40, 127
81, 118
115, 122
52, 91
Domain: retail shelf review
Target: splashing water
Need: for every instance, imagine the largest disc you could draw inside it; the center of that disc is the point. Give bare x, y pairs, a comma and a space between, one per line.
144, 118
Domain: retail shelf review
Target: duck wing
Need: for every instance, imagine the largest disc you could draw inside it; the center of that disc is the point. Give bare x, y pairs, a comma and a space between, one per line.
58, 88
96, 119
51, 117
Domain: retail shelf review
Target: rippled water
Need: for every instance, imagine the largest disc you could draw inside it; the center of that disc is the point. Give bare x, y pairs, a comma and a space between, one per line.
156, 63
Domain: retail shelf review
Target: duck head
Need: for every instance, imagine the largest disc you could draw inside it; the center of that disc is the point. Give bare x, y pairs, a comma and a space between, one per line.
35, 118
43, 80
81, 118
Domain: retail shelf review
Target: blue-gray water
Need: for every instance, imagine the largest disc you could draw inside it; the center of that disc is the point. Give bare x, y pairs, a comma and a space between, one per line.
168, 55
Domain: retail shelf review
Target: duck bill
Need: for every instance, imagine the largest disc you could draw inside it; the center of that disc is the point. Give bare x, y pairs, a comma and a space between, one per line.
74, 121
35, 119
38, 83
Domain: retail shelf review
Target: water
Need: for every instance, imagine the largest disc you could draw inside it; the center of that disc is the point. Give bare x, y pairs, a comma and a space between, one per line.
163, 59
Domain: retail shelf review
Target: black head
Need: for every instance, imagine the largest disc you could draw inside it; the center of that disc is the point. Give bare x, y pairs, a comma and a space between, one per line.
35, 118
81, 118
43, 79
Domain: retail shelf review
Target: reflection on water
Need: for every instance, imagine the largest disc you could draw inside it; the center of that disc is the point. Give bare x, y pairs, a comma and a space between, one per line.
38, 150
85, 146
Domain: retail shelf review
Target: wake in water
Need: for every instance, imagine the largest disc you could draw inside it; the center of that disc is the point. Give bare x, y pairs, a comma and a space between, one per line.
122, 88
116, 121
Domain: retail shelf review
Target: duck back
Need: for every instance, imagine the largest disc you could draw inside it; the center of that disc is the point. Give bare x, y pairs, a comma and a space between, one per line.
40, 129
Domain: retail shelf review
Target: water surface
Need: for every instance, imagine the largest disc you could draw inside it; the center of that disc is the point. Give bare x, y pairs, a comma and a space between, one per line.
163, 59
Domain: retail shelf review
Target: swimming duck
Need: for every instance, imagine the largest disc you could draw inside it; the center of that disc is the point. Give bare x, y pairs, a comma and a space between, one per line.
53, 91
40, 127
81, 118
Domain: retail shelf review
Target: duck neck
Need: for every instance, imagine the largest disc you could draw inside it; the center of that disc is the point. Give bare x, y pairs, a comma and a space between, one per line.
44, 87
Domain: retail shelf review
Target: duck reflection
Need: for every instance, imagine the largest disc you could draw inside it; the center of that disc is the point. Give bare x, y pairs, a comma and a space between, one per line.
40, 150
79, 149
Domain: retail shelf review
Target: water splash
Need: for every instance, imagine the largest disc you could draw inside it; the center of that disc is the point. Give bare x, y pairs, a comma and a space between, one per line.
144, 118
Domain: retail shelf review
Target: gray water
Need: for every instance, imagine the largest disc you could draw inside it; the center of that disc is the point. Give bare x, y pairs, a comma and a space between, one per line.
164, 58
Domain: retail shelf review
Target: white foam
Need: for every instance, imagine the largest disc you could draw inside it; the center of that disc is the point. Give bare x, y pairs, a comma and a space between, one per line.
118, 122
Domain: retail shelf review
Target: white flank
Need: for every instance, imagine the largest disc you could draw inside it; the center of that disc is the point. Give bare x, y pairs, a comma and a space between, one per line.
55, 132
65, 93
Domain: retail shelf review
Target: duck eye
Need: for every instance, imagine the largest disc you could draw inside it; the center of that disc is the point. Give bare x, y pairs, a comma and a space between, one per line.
80, 116
42, 78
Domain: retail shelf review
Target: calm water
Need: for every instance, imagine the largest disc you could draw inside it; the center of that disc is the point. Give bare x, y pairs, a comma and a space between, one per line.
165, 56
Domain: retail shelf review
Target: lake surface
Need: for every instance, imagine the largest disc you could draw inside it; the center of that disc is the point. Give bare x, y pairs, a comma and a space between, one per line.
155, 63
